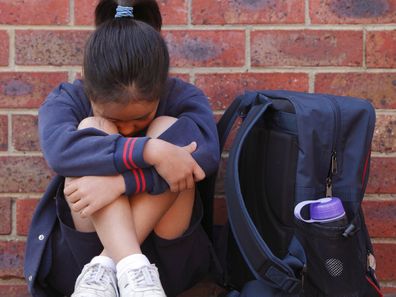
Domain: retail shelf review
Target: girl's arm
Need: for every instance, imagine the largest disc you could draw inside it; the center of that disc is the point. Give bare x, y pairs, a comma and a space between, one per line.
90, 152
73, 152
195, 123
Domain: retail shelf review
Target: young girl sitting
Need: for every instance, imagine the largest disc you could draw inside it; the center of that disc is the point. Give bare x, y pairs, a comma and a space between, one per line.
132, 143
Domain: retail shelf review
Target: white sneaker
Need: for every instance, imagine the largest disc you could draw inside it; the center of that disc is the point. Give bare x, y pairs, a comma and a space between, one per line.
140, 282
96, 280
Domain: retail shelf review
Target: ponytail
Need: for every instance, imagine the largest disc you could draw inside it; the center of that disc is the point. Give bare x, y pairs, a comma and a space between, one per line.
146, 11
126, 58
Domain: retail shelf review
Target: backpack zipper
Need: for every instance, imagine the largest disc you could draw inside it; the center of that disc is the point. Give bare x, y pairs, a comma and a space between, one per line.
333, 170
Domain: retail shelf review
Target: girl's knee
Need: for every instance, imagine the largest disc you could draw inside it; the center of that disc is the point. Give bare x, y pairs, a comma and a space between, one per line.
98, 123
160, 125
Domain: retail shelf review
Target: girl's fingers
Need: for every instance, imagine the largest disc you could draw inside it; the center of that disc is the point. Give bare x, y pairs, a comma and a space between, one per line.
69, 189
87, 211
182, 185
199, 174
73, 197
78, 206
190, 182
174, 187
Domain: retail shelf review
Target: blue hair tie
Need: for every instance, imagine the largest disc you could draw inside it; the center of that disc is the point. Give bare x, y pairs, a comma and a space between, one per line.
124, 11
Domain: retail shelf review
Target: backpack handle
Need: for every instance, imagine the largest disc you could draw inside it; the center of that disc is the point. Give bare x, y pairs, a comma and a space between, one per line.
258, 256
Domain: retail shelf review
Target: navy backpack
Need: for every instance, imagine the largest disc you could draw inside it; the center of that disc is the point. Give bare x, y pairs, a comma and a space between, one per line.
292, 147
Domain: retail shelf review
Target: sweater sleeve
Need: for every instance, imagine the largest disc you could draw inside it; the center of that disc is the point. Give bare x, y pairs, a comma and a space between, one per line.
73, 152
195, 123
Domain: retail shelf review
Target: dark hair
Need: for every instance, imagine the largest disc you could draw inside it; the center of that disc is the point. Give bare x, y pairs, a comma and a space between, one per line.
126, 58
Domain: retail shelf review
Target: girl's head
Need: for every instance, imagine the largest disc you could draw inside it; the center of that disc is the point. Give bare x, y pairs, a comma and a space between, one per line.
126, 60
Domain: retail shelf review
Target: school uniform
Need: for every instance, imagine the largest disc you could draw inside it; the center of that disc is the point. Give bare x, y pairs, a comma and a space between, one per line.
56, 252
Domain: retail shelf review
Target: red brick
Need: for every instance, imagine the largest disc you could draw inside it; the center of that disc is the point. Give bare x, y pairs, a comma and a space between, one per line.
385, 134
24, 213
379, 88
38, 12
388, 291
182, 76
223, 88
352, 12
25, 133
206, 48
50, 47
382, 176
381, 49
248, 12
4, 48
5, 215
380, 218
3, 132
27, 90
23, 174
11, 258
14, 290
231, 136
306, 48
174, 12
220, 189
386, 261
84, 12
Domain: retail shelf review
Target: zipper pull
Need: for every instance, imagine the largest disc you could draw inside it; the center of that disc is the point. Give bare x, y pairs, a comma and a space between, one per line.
329, 187
334, 168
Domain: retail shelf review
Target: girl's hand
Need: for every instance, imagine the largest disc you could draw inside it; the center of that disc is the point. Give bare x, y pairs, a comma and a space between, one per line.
88, 194
175, 164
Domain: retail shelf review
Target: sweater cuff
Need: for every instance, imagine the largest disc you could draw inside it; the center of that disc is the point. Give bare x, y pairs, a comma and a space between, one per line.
137, 181
129, 153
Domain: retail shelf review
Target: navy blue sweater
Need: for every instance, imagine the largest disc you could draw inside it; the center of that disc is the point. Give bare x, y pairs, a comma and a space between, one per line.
72, 152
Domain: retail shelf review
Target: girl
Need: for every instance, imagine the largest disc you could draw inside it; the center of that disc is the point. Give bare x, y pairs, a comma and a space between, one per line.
133, 143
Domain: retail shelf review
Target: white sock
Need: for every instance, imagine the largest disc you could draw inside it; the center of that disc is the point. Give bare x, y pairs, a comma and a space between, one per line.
134, 261
105, 261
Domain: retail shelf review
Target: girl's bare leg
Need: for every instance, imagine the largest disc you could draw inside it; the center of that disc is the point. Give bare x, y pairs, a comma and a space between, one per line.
124, 224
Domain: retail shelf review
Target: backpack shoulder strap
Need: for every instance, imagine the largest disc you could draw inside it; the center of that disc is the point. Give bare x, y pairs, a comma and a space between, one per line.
261, 261
238, 108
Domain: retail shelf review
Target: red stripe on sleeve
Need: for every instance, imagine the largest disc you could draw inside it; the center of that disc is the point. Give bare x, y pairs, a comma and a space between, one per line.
124, 153
137, 181
130, 159
143, 180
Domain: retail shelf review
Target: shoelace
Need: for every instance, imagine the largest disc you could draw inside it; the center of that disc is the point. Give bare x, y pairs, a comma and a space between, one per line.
144, 277
97, 274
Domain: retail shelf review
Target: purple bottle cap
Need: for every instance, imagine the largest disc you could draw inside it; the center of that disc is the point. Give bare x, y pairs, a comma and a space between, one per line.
327, 209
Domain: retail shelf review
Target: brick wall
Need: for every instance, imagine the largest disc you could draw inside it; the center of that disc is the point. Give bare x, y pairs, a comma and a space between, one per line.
335, 46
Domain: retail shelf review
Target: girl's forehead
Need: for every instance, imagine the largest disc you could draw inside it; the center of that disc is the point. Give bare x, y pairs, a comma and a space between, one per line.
125, 112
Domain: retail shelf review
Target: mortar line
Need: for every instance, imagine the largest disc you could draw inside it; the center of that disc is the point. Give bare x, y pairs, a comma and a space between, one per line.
189, 14
364, 48
307, 16
9, 136
311, 81
190, 26
248, 52
11, 111
21, 154
11, 62
71, 12
13, 217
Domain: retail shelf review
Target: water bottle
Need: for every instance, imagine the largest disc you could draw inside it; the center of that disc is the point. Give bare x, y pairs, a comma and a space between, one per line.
329, 211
